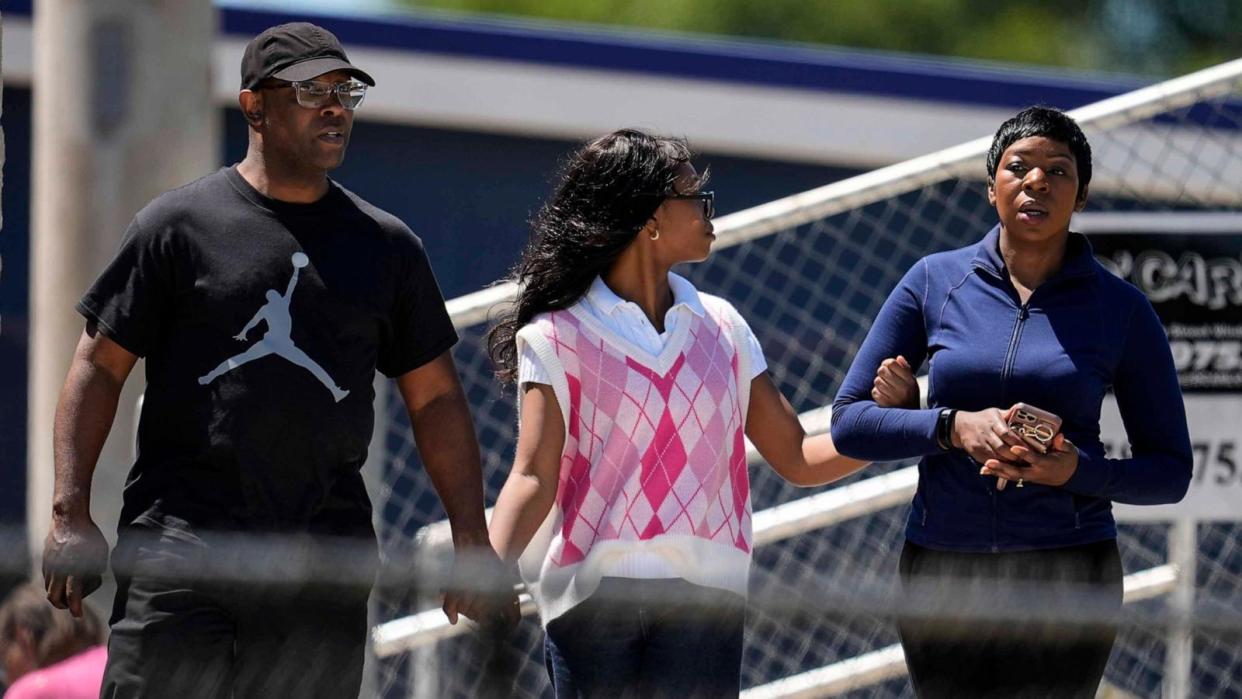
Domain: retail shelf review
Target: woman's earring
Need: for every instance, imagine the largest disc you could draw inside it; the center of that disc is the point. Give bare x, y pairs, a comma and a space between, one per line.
655, 234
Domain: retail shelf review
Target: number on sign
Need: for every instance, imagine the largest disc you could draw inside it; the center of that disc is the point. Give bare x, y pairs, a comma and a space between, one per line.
1218, 457
1224, 457
1200, 450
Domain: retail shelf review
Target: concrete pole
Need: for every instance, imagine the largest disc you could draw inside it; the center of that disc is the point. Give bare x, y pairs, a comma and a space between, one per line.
1179, 651
123, 111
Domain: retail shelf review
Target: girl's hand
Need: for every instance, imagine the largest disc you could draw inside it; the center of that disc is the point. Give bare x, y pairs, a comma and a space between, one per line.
895, 385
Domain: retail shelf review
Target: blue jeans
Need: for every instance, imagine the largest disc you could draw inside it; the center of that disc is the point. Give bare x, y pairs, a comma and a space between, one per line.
646, 638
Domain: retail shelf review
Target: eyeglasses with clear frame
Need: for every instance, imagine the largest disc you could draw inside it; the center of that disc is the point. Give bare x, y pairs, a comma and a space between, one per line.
315, 94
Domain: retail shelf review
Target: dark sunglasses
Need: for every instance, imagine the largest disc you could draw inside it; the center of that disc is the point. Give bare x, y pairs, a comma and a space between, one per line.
708, 199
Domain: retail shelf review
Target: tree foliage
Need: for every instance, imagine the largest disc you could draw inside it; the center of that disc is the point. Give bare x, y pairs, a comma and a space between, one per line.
1157, 37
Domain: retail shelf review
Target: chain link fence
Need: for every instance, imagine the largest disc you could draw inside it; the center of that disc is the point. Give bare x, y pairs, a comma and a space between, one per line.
809, 273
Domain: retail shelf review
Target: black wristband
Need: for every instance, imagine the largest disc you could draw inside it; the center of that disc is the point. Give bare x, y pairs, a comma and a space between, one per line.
944, 428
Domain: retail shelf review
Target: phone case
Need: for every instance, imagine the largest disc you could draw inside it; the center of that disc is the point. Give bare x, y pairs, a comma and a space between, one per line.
1035, 426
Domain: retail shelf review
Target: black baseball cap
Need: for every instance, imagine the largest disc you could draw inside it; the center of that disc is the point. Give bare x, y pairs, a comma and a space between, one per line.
295, 51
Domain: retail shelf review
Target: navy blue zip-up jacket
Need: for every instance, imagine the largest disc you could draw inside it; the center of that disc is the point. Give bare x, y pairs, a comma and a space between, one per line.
1082, 332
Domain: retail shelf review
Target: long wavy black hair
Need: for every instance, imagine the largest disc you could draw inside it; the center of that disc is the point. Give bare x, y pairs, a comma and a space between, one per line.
607, 192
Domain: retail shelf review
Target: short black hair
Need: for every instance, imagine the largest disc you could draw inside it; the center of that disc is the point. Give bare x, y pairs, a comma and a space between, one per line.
1049, 123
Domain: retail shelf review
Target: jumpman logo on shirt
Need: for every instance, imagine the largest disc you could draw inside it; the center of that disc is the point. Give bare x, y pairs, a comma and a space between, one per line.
277, 340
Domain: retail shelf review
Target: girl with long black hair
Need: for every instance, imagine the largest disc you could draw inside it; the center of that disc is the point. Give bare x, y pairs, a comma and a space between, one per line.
628, 506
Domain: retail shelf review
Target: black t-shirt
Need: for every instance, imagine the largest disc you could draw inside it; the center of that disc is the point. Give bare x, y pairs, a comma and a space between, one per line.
262, 324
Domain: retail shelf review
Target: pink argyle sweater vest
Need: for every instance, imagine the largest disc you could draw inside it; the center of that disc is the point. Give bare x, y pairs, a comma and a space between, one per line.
653, 480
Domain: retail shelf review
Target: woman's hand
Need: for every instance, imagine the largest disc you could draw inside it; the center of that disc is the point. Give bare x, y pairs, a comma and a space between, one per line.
985, 435
1054, 468
895, 385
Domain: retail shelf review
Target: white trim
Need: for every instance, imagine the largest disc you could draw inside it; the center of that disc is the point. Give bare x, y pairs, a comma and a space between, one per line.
552, 366
696, 560
739, 335
662, 362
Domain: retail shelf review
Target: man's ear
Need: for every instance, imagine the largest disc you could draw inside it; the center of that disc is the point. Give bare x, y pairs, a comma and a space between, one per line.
251, 103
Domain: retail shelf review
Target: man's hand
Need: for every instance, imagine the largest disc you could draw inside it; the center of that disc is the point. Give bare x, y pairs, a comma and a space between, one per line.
481, 588
75, 557
895, 385
1054, 468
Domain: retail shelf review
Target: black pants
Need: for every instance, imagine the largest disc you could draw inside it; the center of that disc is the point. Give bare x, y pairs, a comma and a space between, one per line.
183, 626
1024, 624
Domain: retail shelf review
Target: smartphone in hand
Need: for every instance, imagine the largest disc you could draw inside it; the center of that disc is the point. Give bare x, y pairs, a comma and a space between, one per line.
1036, 427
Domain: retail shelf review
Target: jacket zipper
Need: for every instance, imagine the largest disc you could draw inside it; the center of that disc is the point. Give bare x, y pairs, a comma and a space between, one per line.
1024, 312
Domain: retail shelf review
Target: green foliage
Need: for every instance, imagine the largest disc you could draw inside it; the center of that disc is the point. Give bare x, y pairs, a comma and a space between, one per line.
1159, 37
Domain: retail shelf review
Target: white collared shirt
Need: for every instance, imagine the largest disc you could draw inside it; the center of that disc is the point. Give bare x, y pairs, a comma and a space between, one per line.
629, 322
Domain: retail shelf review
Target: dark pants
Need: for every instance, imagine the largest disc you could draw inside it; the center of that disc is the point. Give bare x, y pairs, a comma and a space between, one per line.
184, 626
1024, 624
648, 638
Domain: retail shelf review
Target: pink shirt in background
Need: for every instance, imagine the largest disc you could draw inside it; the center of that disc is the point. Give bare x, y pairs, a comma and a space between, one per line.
78, 677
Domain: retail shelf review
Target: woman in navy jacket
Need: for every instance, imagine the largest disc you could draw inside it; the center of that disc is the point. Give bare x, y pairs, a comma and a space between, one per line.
1025, 315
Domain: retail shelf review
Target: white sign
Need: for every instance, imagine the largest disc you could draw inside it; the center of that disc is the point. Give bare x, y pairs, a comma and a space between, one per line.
1216, 438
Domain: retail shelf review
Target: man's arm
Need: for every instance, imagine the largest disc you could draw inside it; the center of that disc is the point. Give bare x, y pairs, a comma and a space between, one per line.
446, 442
76, 553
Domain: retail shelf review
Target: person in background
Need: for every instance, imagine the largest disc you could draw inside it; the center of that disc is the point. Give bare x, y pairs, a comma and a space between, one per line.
628, 506
46, 654
1025, 315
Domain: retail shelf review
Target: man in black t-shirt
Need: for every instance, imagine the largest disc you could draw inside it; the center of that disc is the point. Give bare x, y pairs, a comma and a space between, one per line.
247, 440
